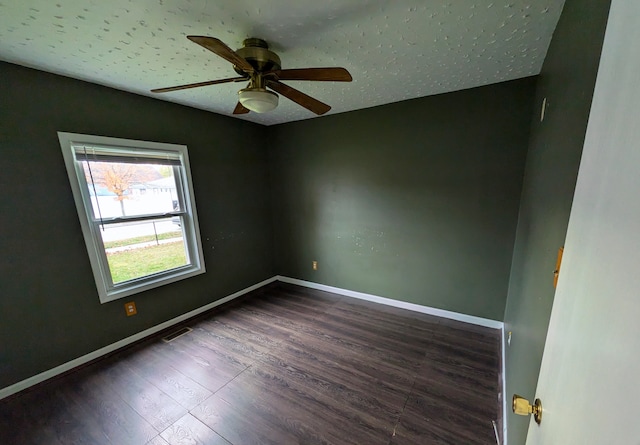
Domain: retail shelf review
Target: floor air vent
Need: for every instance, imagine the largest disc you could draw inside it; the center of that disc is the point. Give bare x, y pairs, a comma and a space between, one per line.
176, 334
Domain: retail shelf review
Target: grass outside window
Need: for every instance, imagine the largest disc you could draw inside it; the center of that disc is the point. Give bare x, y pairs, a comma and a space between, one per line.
142, 239
135, 263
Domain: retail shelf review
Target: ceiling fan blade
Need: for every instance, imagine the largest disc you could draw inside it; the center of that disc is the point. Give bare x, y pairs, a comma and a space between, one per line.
218, 47
240, 109
196, 85
299, 97
321, 74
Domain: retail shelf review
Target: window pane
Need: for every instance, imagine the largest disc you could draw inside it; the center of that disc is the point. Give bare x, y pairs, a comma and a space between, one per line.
137, 249
126, 189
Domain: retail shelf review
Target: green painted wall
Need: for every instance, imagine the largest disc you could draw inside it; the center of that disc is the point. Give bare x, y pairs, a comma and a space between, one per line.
567, 81
49, 308
415, 201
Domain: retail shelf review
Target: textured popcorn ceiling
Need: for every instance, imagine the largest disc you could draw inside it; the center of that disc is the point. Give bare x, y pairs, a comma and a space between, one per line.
394, 49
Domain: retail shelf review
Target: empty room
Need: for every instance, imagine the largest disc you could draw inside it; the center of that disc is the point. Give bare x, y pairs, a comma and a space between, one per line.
299, 222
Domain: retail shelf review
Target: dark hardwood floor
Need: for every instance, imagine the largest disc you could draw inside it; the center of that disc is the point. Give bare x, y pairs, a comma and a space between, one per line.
285, 365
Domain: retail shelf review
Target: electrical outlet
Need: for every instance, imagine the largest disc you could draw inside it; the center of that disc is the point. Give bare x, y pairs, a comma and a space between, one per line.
314, 265
130, 308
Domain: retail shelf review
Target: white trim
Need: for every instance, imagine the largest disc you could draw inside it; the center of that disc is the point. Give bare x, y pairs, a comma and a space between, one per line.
425, 310
107, 289
504, 386
397, 303
38, 378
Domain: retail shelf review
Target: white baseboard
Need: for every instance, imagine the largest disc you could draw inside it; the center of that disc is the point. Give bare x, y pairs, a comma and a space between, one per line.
425, 310
397, 303
505, 400
38, 378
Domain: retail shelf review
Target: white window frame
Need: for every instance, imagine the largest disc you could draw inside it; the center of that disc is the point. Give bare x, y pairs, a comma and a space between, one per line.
90, 223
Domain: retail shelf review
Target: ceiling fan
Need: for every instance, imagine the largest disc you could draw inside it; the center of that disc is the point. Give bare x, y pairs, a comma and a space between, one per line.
261, 67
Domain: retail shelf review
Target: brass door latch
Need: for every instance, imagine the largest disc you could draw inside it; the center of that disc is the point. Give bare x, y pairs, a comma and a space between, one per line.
522, 407
556, 271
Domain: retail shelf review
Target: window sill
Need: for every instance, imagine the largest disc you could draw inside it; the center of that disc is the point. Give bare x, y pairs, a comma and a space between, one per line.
133, 287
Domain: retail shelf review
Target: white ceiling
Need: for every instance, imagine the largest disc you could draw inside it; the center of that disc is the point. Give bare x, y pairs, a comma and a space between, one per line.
395, 49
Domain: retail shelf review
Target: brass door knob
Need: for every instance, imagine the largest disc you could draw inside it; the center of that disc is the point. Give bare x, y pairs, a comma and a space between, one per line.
522, 407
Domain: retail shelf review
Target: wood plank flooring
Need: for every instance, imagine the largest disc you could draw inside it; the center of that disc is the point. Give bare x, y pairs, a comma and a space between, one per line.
285, 365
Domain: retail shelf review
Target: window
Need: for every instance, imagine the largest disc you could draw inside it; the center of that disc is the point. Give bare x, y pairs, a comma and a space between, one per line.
137, 212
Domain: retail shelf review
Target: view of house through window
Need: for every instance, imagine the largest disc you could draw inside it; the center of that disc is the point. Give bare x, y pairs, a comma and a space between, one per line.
137, 211
138, 248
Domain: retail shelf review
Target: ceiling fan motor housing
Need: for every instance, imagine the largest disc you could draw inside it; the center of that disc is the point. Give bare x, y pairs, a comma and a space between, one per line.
257, 53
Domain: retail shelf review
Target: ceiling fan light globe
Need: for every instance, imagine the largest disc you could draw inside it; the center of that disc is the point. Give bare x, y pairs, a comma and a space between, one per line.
258, 100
